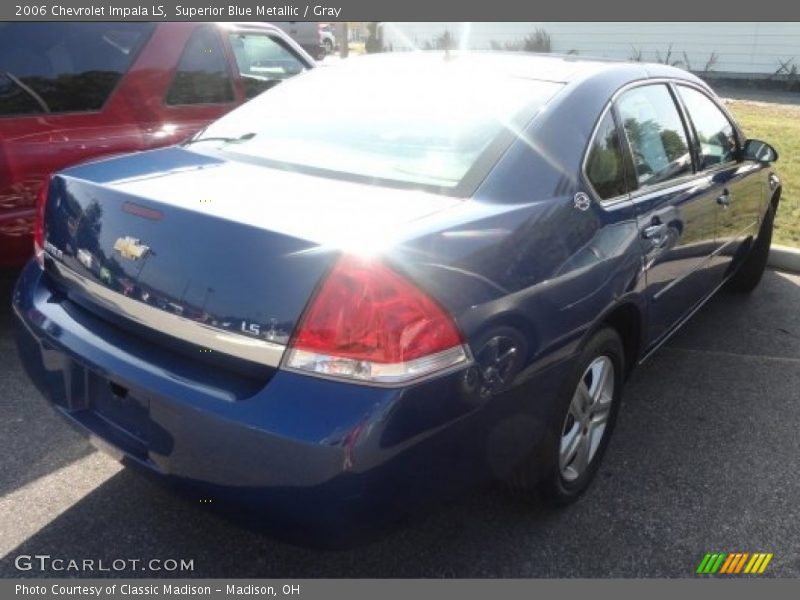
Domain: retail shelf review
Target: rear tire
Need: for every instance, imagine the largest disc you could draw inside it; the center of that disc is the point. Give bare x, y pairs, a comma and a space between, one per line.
749, 274
580, 426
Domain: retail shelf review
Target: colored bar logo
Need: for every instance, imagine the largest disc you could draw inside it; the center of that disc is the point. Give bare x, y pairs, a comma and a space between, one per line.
734, 563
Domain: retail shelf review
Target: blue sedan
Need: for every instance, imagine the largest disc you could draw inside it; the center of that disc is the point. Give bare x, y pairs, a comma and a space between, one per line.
333, 314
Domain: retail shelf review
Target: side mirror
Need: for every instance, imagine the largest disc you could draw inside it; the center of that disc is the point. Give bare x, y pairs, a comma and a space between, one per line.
759, 151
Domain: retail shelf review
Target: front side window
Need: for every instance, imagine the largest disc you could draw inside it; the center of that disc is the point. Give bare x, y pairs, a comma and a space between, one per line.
604, 164
716, 138
202, 75
64, 67
655, 133
262, 61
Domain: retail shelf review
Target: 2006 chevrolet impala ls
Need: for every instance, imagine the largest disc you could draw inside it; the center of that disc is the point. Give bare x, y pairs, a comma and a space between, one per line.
334, 312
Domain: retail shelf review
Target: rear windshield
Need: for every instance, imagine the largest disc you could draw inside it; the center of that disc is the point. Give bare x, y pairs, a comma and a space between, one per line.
414, 122
64, 67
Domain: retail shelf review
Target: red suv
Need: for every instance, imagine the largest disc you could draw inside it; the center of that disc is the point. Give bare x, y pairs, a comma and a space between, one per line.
74, 91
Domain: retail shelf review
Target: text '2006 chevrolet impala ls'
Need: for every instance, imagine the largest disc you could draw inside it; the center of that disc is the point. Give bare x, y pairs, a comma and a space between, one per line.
333, 316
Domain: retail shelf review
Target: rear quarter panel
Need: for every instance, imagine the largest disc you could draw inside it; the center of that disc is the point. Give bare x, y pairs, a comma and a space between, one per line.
520, 254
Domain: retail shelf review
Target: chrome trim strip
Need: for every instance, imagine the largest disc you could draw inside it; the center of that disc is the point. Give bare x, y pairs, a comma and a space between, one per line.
672, 186
206, 336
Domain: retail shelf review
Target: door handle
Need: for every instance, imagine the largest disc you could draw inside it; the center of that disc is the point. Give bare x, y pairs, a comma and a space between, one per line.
725, 199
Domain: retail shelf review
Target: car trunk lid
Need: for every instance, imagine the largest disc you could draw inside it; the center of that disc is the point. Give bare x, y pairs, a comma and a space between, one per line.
219, 253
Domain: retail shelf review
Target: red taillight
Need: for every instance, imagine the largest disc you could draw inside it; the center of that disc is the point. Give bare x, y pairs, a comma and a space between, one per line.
367, 322
38, 227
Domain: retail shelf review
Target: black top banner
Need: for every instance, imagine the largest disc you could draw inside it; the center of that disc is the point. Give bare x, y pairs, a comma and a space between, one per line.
396, 10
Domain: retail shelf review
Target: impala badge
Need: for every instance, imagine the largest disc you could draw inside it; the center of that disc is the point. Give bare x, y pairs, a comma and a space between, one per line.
582, 201
131, 248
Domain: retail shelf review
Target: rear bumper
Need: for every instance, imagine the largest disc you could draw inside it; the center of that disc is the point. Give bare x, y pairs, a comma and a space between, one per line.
320, 458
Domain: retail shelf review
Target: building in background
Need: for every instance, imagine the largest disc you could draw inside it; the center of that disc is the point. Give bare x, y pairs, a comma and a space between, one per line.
746, 50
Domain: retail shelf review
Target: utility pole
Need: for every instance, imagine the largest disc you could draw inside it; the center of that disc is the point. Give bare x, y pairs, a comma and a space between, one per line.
344, 42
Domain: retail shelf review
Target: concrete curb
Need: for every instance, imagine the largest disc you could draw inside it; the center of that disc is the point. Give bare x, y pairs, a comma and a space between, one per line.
784, 258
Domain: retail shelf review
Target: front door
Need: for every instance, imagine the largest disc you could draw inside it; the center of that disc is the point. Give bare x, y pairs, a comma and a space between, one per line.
675, 206
737, 190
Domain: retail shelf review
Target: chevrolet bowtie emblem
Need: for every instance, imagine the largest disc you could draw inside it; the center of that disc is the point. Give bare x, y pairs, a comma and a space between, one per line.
131, 248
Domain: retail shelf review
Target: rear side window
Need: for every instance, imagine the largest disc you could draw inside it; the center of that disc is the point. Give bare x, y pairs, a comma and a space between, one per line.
262, 61
716, 138
604, 164
64, 67
655, 133
202, 75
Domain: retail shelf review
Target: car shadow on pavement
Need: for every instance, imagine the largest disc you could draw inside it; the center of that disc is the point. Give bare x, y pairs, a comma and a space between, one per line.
7, 280
35, 441
764, 323
703, 459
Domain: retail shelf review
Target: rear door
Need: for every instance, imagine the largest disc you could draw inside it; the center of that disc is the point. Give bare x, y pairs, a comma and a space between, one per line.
675, 210
737, 190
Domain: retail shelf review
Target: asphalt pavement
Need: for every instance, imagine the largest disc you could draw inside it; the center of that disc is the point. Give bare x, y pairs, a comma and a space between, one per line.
704, 459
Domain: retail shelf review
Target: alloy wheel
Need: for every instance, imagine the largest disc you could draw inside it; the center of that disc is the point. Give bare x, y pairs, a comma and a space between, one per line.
587, 418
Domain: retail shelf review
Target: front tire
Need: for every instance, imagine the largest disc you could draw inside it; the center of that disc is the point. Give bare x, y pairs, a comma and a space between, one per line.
580, 425
749, 274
